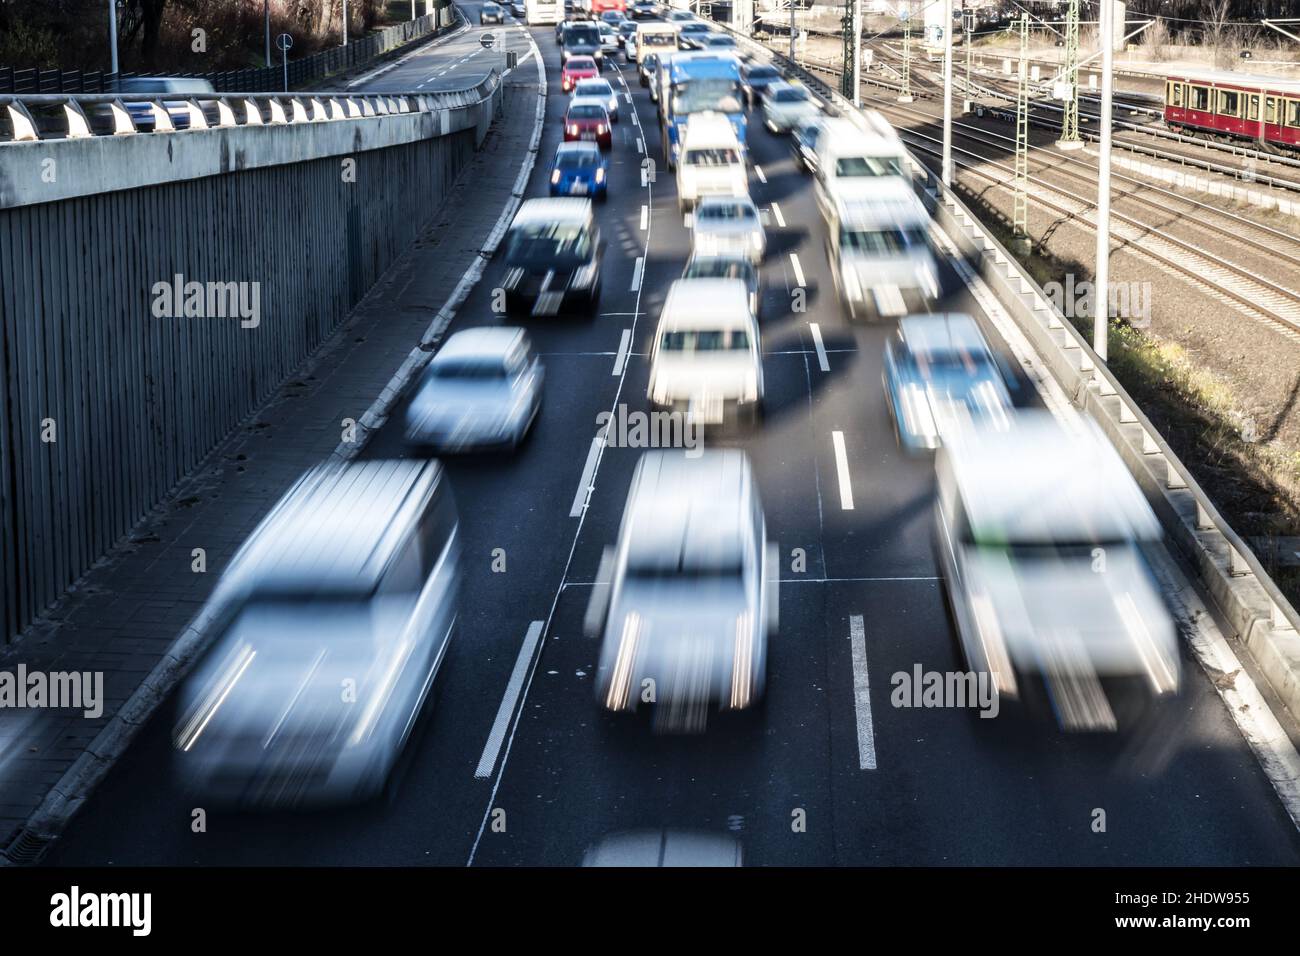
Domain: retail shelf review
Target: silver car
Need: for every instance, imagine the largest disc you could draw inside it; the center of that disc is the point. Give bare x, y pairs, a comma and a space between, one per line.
728, 224
331, 621
597, 91
482, 390
686, 601
786, 106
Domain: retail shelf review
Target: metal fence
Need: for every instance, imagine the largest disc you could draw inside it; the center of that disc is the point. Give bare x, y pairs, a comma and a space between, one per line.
301, 72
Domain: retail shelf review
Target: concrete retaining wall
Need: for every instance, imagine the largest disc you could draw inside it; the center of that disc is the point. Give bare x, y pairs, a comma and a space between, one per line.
108, 401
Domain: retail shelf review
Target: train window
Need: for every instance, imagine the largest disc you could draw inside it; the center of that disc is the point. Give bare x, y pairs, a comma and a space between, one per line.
1293, 112
1200, 98
1252, 110
1176, 94
1270, 111
1229, 103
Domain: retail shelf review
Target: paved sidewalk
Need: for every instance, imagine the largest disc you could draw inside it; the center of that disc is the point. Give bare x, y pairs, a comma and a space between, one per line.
122, 618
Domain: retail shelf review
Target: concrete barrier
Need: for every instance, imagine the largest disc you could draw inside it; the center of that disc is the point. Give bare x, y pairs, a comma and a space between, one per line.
157, 288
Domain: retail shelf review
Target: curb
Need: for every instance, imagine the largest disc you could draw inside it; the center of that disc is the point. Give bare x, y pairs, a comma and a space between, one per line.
48, 821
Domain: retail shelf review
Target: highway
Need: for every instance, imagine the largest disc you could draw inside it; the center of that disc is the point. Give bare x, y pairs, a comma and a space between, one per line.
828, 772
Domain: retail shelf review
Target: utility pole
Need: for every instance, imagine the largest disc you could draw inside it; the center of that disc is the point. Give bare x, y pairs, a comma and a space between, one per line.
793, 58
1070, 103
905, 93
967, 28
266, 21
1101, 290
1020, 215
345, 22
851, 77
947, 93
112, 34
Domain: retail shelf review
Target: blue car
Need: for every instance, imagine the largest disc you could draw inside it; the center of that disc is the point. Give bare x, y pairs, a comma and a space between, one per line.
939, 375
579, 169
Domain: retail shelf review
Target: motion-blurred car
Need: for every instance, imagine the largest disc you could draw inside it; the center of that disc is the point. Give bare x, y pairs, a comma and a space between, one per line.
671, 848
331, 623
686, 601
692, 35
613, 18
609, 38
648, 68
712, 162
804, 137
182, 88
577, 68
680, 16
553, 256
626, 33
721, 43
723, 224
879, 249
581, 39
598, 91
482, 390
491, 13
940, 374
786, 105
579, 169
519, 11
643, 9
588, 122
1040, 533
706, 359
757, 79
729, 266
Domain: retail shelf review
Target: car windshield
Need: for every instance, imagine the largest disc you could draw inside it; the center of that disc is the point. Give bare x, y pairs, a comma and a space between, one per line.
546, 242
695, 28
580, 64
705, 340
874, 241
721, 41
718, 267
764, 73
583, 111
577, 159
479, 368
657, 39
951, 362
593, 88
867, 166
790, 94
712, 157
581, 33
725, 211
697, 96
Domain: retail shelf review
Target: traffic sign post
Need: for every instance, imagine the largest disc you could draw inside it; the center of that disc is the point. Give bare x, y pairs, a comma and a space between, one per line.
284, 41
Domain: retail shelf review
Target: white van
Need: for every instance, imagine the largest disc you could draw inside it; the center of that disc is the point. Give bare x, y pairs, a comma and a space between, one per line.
851, 158
706, 356
712, 162
880, 252
657, 37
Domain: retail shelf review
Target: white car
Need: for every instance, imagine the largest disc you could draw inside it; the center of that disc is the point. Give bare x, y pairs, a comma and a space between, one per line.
482, 389
728, 224
687, 599
712, 162
706, 359
599, 91
786, 105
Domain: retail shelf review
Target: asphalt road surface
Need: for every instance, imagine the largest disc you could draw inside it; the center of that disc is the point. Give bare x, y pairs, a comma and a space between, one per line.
798, 783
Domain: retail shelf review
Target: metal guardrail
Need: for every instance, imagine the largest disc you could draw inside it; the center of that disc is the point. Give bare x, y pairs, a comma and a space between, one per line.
308, 69
174, 113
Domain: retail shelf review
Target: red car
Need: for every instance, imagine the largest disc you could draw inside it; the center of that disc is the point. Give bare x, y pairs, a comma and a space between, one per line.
588, 122
577, 68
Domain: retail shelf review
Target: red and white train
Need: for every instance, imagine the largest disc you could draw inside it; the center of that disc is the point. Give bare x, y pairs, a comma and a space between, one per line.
1229, 104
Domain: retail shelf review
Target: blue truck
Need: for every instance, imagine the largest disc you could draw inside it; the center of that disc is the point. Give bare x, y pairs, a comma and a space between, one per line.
698, 83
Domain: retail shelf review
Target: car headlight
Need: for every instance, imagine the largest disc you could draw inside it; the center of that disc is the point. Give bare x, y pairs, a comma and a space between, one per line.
916, 412
613, 103
852, 287
600, 129
600, 174
757, 239
555, 176
573, 129
584, 275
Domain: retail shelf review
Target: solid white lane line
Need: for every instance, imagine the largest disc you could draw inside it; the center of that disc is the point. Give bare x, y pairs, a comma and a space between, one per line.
645, 217
636, 273
798, 270
497, 736
621, 357
842, 469
821, 347
584, 483
629, 97
776, 213
640, 145
862, 695
758, 171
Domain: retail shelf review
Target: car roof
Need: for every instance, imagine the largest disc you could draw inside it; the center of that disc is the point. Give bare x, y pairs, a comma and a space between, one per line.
578, 146
486, 342
707, 201
681, 505
338, 526
933, 334
581, 61
1045, 479
880, 201
706, 304
553, 210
